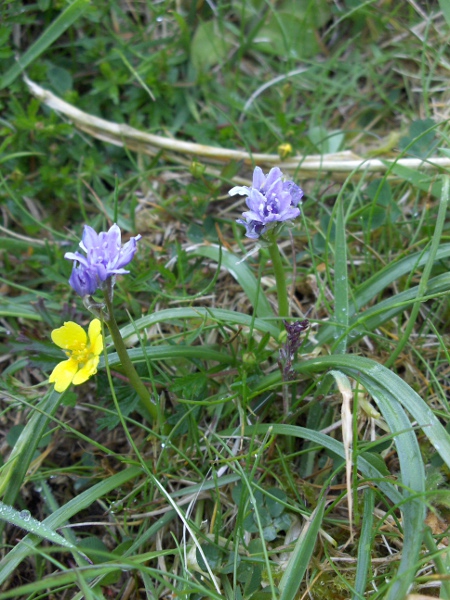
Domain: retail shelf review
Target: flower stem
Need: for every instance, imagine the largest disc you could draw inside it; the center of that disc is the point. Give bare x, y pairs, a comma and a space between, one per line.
150, 407
283, 303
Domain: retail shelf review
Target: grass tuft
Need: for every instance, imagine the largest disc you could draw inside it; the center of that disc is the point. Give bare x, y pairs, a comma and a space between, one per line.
282, 464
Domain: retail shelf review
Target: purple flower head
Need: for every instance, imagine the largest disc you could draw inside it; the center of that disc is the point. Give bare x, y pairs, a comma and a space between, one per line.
105, 257
83, 281
270, 201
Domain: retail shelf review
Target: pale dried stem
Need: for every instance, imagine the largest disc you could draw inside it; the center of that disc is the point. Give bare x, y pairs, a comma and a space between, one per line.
339, 163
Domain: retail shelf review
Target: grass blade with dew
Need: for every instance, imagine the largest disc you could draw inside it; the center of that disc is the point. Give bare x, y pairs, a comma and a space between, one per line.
22, 550
24, 520
60, 517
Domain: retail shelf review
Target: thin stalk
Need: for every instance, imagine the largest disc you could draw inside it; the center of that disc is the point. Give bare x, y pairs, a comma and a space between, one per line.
441, 562
133, 377
283, 303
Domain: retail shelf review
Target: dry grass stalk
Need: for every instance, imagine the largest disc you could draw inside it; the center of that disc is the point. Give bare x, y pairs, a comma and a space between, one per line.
177, 151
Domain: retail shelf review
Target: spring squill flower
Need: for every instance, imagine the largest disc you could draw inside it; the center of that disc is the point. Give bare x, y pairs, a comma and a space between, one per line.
270, 200
105, 258
83, 352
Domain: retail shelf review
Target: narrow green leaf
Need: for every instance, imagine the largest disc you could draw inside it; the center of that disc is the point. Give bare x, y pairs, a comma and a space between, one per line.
301, 555
370, 374
243, 275
24, 520
52, 33
219, 315
381, 280
385, 310
14, 471
440, 224
390, 392
418, 179
341, 292
387, 389
15, 155
171, 352
364, 545
376, 379
445, 7
60, 516
17, 554
441, 560
364, 466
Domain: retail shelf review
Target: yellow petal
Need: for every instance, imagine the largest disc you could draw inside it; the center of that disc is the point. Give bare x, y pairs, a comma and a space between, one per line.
63, 374
70, 336
95, 337
89, 369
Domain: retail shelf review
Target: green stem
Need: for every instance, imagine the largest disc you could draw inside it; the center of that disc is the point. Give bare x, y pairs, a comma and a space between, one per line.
134, 379
441, 562
283, 303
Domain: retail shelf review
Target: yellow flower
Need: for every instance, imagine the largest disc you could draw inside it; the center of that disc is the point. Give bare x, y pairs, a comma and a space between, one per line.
284, 150
83, 352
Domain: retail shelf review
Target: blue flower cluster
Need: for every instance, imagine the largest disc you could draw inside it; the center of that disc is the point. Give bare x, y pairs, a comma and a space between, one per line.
105, 257
270, 201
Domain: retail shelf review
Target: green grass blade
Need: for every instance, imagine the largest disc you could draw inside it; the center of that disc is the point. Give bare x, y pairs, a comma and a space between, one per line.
24, 520
385, 310
171, 352
364, 545
382, 384
218, 315
81, 502
441, 560
10, 562
56, 581
445, 7
16, 155
440, 223
413, 477
365, 292
364, 466
243, 275
341, 291
15, 469
378, 380
18, 310
301, 555
390, 393
52, 33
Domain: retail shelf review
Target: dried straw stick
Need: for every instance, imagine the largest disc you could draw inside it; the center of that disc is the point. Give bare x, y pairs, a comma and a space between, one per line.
184, 152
